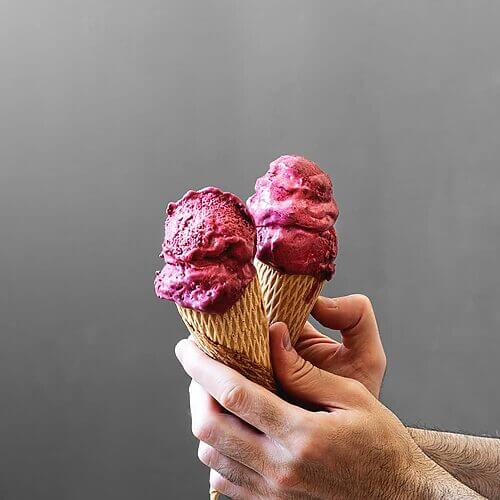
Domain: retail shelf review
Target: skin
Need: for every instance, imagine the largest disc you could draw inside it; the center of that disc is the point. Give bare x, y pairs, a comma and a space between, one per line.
360, 354
474, 461
260, 446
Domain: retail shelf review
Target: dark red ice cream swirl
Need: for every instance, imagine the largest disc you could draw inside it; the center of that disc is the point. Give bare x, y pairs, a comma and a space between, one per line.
294, 210
208, 250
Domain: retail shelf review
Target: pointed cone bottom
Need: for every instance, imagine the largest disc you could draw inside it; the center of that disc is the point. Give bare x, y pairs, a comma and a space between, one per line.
239, 338
288, 297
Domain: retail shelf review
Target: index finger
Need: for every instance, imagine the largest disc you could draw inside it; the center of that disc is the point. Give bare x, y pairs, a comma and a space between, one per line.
249, 401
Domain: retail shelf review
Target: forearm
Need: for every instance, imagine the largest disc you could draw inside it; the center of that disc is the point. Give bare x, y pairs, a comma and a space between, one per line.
434, 482
474, 461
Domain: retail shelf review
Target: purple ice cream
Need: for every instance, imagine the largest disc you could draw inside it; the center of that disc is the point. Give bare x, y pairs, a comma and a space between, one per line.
209, 246
294, 211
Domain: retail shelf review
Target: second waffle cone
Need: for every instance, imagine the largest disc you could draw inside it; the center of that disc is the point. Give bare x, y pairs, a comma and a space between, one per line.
288, 297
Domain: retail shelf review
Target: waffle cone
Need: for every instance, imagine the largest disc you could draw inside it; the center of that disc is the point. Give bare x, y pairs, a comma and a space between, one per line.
238, 338
288, 297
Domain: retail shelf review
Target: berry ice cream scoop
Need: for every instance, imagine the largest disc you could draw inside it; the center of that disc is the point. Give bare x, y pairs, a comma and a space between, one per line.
208, 250
294, 211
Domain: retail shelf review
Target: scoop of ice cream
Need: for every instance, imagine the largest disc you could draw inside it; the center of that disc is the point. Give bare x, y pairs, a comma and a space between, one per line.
294, 210
208, 249
298, 251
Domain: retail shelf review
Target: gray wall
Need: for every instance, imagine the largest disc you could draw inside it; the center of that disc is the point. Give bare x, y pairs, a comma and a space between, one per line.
111, 108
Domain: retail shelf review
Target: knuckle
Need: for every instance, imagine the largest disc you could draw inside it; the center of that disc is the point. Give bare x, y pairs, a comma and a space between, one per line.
383, 360
223, 483
287, 477
299, 431
205, 454
306, 449
307, 443
220, 483
231, 475
203, 430
378, 362
356, 387
364, 301
301, 423
191, 386
234, 398
361, 393
301, 370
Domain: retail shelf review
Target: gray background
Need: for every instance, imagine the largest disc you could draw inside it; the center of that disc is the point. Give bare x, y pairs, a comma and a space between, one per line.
111, 108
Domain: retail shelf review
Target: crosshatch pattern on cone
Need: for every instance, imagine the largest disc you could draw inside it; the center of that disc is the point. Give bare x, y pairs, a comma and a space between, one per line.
238, 338
288, 297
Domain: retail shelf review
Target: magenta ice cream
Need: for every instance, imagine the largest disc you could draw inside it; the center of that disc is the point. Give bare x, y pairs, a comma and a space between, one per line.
294, 211
208, 250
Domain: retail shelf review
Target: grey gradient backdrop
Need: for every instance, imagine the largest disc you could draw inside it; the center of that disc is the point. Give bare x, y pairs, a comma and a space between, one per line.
111, 108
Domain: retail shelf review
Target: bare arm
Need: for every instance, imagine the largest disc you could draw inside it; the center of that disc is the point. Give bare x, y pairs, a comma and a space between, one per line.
474, 461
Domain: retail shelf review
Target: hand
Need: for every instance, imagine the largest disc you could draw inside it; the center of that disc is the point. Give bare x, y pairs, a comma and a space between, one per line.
360, 355
268, 448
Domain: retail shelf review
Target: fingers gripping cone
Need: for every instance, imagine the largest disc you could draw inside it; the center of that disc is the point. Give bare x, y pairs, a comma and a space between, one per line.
238, 338
288, 297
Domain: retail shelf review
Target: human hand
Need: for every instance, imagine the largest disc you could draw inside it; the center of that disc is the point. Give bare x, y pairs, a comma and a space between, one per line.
268, 448
360, 354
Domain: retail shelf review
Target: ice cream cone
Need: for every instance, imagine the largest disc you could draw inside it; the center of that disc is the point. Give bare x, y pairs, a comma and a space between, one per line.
288, 297
208, 249
239, 338
294, 212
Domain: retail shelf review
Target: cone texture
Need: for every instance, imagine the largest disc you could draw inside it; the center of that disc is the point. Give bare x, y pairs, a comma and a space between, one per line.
288, 297
238, 338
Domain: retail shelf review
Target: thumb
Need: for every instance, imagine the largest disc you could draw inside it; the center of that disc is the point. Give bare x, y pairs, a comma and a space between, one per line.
305, 382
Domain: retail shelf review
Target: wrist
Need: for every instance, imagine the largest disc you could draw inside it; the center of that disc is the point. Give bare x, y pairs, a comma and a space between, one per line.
420, 477
428, 480
472, 460
408, 473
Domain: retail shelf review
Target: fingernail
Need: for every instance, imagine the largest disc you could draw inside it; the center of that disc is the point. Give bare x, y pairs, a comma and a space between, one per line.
287, 344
